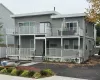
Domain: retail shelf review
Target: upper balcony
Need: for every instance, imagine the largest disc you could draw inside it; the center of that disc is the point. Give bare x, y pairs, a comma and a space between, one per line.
47, 32
71, 29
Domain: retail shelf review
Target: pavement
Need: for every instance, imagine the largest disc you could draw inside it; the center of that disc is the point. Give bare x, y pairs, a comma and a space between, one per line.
88, 72
7, 77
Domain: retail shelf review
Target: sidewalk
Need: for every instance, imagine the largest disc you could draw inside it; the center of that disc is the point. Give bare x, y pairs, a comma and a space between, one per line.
7, 77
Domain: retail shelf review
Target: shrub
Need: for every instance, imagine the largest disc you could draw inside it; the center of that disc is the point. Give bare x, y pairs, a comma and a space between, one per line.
19, 72
1, 68
37, 75
47, 72
9, 70
14, 72
31, 73
4, 71
25, 73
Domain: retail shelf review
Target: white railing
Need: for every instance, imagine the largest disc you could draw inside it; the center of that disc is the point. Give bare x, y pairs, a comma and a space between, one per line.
48, 32
25, 53
54, 52
66, 53
70, 53
65, 32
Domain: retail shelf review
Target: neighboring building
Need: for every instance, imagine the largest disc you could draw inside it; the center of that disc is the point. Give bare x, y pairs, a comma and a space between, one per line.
7, 22
53, 36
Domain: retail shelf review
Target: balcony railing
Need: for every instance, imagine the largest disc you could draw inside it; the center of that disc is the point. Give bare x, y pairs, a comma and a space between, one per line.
25, 53
48, 32
66, 53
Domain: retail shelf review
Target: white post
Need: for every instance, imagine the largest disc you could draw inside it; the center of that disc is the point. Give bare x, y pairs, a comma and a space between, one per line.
6, 44
34, 46
61, 48
79, 47
45, 47
19, 42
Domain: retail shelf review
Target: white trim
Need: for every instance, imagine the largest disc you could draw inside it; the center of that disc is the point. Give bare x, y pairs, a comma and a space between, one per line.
34, 14
68, 15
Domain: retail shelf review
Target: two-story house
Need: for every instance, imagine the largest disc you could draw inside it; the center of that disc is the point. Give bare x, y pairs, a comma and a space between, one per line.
53, 36
6, 22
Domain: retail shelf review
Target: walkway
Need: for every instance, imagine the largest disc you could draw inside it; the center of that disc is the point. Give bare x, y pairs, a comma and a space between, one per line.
7, 77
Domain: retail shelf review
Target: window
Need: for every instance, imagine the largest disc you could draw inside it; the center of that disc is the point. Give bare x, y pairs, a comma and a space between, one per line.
71, 26
75, 44
44, 26
27, 24
66, 44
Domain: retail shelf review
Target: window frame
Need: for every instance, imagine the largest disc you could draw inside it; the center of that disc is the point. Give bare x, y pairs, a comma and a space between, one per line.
72, 22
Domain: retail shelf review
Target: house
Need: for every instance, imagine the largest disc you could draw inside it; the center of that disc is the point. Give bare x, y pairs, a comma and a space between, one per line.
52, 36
6, 22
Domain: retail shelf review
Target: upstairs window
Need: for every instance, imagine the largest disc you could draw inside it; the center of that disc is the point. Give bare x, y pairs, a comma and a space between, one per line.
71, 26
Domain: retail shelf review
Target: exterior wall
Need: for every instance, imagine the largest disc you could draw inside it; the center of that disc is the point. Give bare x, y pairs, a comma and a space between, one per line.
7, 21
37, 19
56, 23
90, 29
90, 46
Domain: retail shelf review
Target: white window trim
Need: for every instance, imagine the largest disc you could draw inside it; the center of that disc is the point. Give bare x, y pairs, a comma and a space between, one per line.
73, 22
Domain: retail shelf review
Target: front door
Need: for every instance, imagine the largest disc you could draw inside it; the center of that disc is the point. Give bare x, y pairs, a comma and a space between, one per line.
40, 48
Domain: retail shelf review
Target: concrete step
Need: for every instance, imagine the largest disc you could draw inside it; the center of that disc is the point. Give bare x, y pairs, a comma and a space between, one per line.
38, 59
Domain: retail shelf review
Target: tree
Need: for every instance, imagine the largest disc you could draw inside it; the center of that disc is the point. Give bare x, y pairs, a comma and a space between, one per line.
93, 12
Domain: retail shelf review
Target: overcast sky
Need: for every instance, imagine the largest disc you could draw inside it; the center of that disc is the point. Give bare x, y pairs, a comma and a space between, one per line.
62, 6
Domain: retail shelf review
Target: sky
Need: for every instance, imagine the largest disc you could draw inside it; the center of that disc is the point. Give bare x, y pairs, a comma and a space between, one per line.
29, 6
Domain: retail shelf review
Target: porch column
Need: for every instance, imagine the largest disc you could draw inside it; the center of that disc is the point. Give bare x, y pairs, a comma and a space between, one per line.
61, 48
6, 44
45, 47
79, 46
34, 46
19, 43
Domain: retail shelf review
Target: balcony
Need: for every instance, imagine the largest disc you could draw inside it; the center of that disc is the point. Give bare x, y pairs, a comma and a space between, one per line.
48, 31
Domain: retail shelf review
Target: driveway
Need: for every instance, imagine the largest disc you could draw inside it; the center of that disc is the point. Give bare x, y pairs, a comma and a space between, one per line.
90, 73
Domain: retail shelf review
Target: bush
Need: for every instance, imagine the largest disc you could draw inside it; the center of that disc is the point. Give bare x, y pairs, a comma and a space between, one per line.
4, 71
19, 72
14, 72
31, 73
47, 72
9, 70
37, 75
25, 73
1, 68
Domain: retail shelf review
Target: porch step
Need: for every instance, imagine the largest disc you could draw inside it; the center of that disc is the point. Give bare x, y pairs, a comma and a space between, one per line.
38, 59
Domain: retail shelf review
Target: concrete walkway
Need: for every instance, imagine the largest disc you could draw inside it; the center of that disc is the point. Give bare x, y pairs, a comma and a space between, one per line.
7, 77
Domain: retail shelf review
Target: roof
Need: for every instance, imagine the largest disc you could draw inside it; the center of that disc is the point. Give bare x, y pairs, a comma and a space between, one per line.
68, 15
34, 14
6, 8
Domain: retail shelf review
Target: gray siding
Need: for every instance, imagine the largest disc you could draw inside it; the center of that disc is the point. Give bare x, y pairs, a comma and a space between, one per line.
7, 21
90, 29
37, 19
